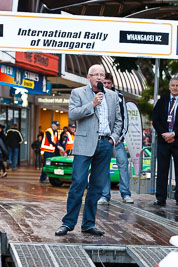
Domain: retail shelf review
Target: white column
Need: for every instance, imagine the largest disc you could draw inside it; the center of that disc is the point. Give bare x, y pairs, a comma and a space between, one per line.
15, 5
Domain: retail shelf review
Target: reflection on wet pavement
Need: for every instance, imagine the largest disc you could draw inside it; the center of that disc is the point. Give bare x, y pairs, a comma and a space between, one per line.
32, 212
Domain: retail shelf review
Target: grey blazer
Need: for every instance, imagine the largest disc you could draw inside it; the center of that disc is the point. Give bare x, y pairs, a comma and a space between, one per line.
81, 110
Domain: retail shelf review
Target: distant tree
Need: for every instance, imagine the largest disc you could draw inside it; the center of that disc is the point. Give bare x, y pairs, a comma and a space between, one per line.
168, 68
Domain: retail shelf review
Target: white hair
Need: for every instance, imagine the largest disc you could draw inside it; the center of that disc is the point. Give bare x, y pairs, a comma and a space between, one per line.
94, 66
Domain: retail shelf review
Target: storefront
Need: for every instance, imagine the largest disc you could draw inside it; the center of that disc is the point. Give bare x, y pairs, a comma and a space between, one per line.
53, 108
43, 65
15, 84
19, 83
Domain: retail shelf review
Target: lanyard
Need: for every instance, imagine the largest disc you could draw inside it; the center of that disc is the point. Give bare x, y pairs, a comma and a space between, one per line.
173, 107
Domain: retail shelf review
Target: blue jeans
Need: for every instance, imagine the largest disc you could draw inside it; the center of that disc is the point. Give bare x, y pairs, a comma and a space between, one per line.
100, 162
13, 156
45, 156
122, 163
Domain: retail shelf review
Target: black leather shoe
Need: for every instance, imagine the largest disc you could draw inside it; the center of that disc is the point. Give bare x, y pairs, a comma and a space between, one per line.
62, 231
93, 231
160, 203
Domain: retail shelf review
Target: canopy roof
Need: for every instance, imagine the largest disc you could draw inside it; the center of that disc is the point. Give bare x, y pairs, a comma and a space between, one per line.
153, 9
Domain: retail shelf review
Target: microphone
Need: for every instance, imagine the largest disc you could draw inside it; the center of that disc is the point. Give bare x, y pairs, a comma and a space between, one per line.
100, 87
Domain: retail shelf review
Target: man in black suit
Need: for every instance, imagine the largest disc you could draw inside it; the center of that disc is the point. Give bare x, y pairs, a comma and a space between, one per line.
165, 122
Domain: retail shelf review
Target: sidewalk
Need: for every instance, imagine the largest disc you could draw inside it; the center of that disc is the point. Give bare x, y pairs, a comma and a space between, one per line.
32, 212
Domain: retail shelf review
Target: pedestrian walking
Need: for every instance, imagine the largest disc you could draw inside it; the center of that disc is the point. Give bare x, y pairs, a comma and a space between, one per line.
165, 122
36, 146
98, 124
120, 153
14, 139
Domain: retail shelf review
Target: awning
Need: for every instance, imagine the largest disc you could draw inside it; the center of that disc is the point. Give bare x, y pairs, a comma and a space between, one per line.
75, 69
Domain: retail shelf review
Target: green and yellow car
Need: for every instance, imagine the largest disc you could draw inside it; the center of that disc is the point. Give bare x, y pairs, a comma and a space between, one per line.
59, 169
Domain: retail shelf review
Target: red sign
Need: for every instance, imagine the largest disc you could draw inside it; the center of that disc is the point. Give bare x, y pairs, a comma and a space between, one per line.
46, 63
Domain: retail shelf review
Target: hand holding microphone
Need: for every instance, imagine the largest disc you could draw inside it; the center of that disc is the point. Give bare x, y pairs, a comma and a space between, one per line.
98, 96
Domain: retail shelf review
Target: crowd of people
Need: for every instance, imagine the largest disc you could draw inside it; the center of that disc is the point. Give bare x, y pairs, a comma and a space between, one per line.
53, 144
49, 143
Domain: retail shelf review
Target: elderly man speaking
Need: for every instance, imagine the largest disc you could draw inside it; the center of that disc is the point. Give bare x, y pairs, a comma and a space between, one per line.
97, 114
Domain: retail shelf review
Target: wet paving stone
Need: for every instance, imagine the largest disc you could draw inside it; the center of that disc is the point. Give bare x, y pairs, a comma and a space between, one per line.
32, 212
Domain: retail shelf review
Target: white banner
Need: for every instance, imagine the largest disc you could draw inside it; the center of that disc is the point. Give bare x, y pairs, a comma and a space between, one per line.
88, 35
134, 136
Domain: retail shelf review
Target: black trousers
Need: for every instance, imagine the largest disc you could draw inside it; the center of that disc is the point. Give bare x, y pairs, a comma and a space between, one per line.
164, 153
37, 159
2, 167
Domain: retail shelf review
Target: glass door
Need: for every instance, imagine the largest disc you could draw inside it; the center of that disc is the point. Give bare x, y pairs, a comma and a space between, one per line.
13, 117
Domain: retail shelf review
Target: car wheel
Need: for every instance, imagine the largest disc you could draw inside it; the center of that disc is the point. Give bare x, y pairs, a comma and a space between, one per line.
55, 181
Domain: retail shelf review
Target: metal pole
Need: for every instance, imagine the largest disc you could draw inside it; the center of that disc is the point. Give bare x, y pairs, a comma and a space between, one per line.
141, 166
140, 169
4, 243
170, 179
37, 7
153, 145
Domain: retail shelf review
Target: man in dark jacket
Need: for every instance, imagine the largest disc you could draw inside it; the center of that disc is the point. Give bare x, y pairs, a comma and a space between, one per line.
14, 139
36, 146
67, 139
165, 122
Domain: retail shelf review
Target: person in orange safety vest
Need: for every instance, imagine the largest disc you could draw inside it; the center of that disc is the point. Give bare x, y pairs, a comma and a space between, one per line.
68, 139
49, 146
